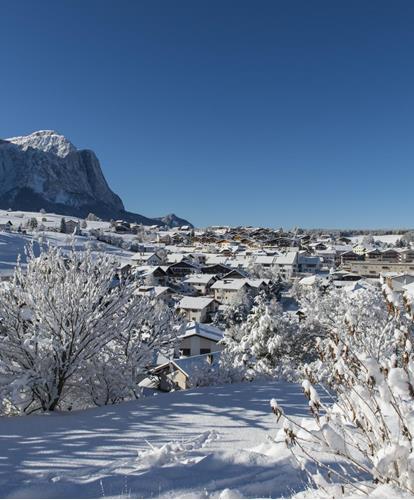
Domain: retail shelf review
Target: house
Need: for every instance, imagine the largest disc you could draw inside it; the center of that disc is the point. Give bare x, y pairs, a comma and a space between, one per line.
124, 271
350, 256
70, 226
258, 284
181, 269
184, 373
200, 338
286, 265
197, 308
373, 254
122, 226
406, 254
201, 283
164, 293
265, 261
6, 227
172, 258
146, 258
235, 274
390, 255
153, 275
343, 279
308, 263
373, 269
217, 269
317, 246
226, 290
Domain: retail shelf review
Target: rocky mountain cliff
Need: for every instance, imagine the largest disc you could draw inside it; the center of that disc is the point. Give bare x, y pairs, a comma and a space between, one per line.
45, 170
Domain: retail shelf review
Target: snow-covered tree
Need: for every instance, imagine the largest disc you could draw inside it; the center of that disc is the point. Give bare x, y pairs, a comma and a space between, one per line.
32, 223
237, 310
116, 371
60, 317
267, 343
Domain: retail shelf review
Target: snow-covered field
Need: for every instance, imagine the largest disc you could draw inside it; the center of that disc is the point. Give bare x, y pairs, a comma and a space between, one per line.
13, 244
49, 220
95, 453
384, 238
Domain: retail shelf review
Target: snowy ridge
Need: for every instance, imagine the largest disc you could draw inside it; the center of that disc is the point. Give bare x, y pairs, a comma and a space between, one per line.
48, 141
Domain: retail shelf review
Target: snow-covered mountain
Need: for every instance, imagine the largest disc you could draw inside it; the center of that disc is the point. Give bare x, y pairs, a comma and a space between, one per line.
45, 170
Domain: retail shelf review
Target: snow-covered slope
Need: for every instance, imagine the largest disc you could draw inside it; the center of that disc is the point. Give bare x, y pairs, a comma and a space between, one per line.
13, 245
45, 170
108, 451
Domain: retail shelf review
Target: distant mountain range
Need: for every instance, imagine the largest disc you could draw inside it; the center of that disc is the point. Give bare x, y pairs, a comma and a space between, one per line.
45, 170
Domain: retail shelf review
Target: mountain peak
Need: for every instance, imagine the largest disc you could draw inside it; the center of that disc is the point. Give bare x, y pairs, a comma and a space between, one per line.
45, 170
48, 141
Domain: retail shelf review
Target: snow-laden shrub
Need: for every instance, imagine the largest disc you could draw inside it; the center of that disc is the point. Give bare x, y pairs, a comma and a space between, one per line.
361, 320
369, 428
70, 337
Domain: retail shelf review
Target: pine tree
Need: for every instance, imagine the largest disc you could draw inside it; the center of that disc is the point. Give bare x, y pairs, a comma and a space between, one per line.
63, 228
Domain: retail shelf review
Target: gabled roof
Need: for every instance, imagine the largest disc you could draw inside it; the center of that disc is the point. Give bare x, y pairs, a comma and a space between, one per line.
209, 332
236, 273
192, 365
287, 259
265, 259
200, 279
196, 303
144, 256
183, 263
229, 284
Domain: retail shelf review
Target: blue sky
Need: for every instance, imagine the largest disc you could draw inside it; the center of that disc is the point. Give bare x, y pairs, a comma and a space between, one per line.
273, 113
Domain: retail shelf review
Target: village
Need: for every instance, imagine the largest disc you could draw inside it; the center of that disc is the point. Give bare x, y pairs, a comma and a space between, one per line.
201, 273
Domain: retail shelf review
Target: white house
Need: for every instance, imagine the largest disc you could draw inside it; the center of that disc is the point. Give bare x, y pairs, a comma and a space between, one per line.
308, 263
197, 308
201, 283
146, 258
200, 338
287, 264
184, 373
225, 290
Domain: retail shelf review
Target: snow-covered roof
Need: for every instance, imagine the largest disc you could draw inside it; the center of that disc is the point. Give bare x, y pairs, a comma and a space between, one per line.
192, 365
309, 280
229, 284
257, 283
209, 332
173, 258
144, 256
287, 259
196, 303
217, 259
152, 291
200, 279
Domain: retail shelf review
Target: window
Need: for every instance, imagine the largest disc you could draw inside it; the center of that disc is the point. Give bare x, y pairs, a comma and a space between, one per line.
185, 352
205, 351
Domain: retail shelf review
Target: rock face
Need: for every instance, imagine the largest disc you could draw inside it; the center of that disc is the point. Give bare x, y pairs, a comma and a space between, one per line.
45, 170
